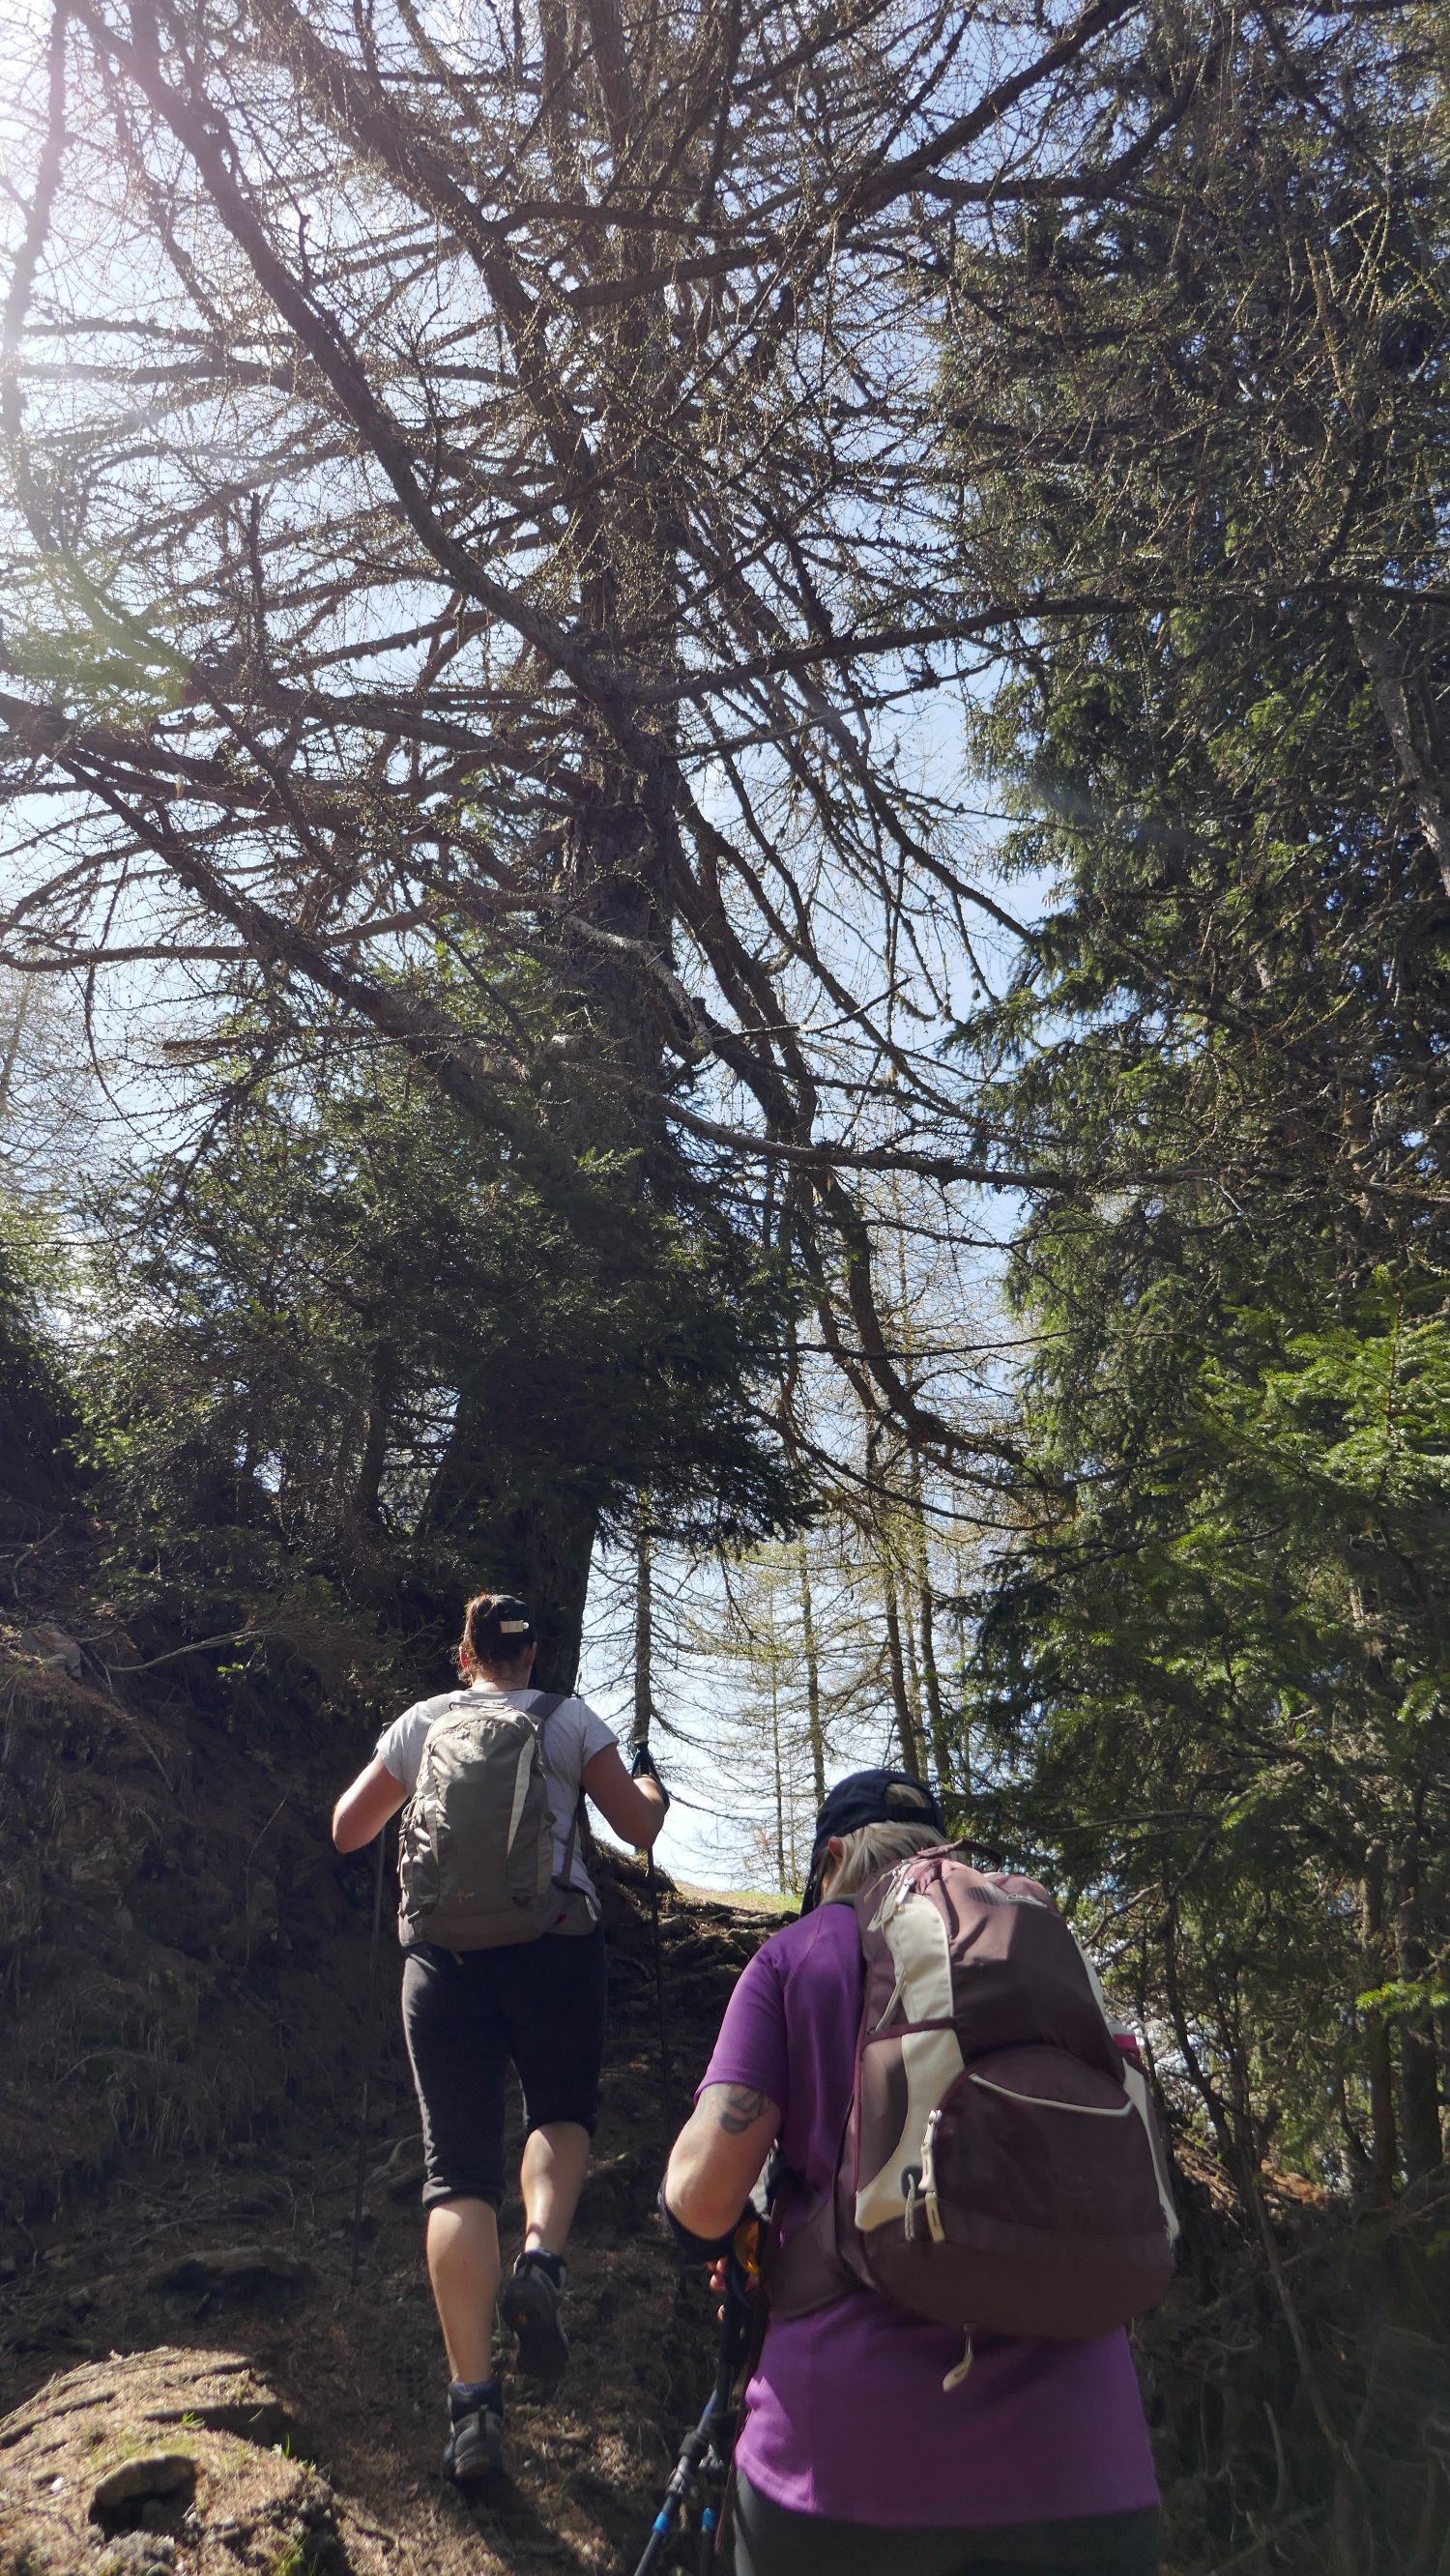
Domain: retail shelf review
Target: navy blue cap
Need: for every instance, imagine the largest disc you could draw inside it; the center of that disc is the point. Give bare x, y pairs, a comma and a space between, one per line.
868, 1798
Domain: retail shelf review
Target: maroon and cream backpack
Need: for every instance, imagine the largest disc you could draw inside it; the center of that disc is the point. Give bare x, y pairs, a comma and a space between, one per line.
1001, 2167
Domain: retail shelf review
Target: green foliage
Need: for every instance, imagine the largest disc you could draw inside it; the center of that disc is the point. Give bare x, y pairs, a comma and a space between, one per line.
38, 1421
1215, 1662
1224, 1669
358, 1344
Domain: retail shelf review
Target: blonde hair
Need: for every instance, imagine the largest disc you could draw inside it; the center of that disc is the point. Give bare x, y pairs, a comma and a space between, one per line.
873, 1847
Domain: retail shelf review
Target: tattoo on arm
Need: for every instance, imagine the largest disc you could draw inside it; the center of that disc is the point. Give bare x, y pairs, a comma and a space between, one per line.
738, 2107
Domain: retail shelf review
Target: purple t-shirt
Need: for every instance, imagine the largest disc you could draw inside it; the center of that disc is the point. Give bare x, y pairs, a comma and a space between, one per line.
846, 2415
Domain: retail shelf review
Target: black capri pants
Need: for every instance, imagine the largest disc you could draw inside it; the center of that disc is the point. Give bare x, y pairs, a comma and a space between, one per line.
540, 2005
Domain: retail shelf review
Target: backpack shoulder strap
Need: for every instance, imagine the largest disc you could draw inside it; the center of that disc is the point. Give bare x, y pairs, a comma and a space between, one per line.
436, 1710
540, 1714
806, 2270
538, 1717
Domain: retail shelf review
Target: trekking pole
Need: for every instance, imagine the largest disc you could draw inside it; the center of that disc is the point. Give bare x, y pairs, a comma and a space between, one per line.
706, 2449
644, 1762
654, 1916
369, 2049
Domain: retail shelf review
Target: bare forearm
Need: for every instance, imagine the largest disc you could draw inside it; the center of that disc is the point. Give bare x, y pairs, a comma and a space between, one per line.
718, 2155
654, 1801
364, 1809
634, 1808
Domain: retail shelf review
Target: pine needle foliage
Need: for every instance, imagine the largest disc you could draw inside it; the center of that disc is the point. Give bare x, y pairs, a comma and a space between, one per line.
1215, 1664
355, 1335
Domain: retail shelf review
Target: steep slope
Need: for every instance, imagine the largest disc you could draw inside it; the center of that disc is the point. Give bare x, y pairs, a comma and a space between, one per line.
186, 2020
205, 2262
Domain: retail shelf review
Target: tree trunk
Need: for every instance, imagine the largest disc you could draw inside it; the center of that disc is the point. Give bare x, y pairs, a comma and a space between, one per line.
779, 1776
547, 1551
1361, 2163
1419, 2072
964, 1738
365, 1505
913, 1670
475, 1536
14, 1035
813, 1682
1384, 2151
1408, 708
906, 1732
644, 1638
921, 1570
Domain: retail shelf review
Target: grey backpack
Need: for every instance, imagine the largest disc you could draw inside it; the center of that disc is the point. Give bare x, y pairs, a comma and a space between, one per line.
476, 1841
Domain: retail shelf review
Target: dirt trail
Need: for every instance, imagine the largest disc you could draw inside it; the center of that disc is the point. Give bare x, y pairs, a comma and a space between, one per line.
183, 1978
221, 2282
184, 2020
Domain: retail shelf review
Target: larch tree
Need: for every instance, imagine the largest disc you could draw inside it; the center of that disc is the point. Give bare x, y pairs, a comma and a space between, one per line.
473, 549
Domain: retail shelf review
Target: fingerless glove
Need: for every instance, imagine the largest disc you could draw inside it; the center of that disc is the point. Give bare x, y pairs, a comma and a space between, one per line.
700, 2249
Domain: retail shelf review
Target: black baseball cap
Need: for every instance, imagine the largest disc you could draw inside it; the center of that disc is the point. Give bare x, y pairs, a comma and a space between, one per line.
868, 1798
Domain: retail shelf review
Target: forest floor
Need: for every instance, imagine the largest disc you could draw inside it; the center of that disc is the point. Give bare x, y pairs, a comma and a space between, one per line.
184, 1993
214, 2291
185, 2021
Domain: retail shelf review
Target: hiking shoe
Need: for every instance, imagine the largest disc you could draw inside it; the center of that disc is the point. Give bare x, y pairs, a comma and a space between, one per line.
530, 2307
475, 2438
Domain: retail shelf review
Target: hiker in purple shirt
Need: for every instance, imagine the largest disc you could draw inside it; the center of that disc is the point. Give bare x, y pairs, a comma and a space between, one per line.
853, 2459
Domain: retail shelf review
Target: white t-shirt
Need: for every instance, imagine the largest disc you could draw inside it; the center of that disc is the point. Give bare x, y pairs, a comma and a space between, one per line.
570, 1739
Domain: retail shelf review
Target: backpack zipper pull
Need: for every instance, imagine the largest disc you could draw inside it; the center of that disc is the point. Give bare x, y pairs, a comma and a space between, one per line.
955, 2377
893, 1898
928, 2181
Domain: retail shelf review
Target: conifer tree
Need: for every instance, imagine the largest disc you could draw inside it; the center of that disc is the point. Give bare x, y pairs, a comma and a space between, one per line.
1217, 1654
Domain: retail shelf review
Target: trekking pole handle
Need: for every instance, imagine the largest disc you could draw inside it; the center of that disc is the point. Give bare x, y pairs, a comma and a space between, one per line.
643, 1767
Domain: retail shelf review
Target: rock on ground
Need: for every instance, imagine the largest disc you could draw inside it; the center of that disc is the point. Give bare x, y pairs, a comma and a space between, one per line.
203, 2304
160, 2461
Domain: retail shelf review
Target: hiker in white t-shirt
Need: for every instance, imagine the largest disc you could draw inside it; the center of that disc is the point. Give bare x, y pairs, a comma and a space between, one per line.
536, 2001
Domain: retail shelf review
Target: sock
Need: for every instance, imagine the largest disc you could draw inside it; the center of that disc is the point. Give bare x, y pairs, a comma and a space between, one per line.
472, 2397
553, 2264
